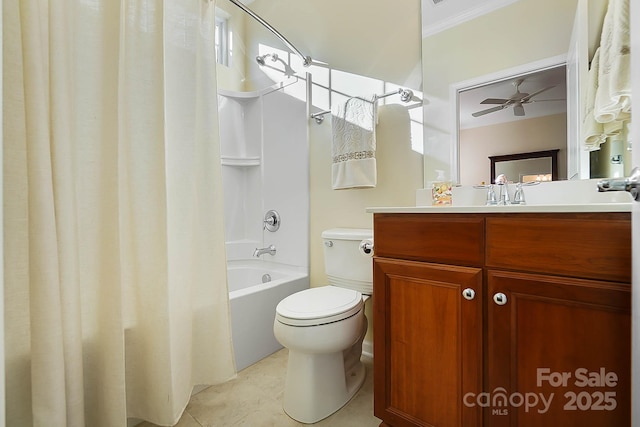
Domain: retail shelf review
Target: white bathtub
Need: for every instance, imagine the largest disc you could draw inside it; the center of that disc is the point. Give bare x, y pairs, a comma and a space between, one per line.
253, 305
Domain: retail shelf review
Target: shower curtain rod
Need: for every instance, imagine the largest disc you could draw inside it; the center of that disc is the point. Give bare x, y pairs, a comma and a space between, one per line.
306, 60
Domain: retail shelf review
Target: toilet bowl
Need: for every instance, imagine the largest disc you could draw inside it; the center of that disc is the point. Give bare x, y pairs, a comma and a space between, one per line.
323, 328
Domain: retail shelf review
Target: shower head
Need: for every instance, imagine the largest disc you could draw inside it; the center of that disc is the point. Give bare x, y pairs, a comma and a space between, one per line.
260, 59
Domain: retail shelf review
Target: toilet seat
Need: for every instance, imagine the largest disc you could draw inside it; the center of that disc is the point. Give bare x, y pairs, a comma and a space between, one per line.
319, 306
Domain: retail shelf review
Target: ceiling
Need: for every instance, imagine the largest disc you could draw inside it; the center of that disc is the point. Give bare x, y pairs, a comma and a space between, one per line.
470, 100
438, 15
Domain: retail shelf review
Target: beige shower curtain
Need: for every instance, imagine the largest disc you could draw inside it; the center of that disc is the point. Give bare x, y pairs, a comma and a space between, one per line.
116, 301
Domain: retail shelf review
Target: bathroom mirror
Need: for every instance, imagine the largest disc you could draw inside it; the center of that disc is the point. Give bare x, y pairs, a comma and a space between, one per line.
481, 50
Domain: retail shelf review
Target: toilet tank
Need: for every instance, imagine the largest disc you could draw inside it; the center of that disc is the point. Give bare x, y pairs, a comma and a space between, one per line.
344, 264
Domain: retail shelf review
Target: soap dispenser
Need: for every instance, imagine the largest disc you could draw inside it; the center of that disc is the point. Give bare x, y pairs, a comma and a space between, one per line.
441, 190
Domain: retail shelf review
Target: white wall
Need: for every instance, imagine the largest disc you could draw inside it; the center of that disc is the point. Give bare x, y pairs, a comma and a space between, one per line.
358, 40
379, 40
528, 135
286, 177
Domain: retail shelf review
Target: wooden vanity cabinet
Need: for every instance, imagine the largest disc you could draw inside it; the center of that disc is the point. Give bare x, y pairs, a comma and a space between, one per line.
446, 353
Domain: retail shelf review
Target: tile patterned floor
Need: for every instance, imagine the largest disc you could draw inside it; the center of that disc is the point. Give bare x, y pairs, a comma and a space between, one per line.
254, 399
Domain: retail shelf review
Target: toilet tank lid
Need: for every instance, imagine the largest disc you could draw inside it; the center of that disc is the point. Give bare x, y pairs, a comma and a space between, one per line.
348, 233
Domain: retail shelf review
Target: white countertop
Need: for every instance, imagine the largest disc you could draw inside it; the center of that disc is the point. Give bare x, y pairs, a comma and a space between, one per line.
591, 207
558, 196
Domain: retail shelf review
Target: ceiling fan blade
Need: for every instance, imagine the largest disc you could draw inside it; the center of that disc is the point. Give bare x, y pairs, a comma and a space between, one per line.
528, 97
518, 109
543, 100
487, 111
495, 101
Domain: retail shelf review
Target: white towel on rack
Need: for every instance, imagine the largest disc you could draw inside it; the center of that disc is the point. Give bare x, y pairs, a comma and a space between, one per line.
353, 147
613, 97
591, 129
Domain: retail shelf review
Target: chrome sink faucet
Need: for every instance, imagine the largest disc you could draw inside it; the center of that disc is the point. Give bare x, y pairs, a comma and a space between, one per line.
518, 198
271, 250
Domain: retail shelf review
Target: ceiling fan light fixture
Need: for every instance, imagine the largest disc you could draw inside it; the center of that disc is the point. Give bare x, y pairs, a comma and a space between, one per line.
518, 109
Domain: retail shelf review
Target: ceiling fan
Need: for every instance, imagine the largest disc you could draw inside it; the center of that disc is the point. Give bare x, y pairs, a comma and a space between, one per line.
516, 101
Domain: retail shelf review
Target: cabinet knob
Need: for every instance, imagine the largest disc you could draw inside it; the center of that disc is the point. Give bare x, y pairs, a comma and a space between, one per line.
469, 294
500, 298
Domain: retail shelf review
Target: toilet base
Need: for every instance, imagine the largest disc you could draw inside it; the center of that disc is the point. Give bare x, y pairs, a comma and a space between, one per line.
316, 397
318, 385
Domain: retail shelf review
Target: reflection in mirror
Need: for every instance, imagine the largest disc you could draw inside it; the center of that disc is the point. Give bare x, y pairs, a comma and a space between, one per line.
519, 114
540, 166
464, 52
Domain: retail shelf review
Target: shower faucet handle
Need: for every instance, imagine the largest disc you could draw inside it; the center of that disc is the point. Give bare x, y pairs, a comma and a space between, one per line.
272, 221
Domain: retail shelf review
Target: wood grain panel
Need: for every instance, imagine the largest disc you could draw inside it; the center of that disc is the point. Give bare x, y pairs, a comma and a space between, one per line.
431, 353
562, 325
440, 238
593, 246
567, 280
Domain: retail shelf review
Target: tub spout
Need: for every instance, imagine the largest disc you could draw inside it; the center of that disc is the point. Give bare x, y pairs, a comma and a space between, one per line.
271, 250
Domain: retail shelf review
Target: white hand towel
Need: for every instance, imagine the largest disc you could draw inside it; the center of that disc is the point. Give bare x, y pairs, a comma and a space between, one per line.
613, 98
354, 144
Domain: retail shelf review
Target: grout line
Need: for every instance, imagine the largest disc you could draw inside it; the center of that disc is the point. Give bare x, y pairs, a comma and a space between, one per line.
194, 418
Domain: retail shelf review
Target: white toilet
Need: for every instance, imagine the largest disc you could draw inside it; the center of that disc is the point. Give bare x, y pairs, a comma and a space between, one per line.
323, 328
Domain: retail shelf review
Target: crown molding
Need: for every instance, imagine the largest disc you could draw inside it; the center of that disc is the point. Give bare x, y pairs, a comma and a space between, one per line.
463, 16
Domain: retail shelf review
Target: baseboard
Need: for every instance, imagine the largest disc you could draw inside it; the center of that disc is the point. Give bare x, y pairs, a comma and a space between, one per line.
367, 348
198, 388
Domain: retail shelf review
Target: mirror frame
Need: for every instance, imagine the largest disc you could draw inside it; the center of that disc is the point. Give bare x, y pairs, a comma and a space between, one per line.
552, 154
506, 74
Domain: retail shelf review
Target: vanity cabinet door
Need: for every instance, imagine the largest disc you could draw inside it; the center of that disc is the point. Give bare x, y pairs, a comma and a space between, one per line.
558, 351
427, 343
